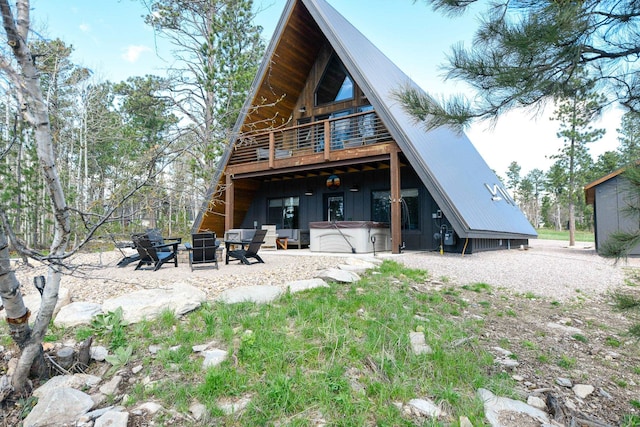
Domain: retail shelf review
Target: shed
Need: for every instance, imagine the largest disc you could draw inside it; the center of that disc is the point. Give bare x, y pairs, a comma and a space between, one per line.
610, 196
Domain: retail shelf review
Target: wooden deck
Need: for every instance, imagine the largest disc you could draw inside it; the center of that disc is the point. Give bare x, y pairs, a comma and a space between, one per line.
356, 136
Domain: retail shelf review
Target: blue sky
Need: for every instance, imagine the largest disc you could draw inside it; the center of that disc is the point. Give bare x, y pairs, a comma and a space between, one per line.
111, 38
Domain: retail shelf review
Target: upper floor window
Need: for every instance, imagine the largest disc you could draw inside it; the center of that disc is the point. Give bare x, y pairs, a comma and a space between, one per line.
335, 85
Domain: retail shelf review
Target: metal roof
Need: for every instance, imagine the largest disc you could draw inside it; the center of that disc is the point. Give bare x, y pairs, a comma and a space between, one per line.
469, 194
462, 184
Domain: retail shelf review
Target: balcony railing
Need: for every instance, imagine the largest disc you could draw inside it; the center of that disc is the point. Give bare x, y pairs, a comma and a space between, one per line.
323, 136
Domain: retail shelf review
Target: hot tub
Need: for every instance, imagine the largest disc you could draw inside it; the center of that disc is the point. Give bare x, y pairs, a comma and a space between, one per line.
349, 236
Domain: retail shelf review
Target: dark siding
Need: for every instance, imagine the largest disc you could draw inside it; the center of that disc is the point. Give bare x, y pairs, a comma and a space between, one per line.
357, 204
611, 200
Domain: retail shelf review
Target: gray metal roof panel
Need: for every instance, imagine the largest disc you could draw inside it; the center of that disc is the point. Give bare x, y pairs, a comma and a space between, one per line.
446, 161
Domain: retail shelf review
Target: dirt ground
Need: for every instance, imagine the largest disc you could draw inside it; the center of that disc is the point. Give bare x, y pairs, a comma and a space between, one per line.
540, 333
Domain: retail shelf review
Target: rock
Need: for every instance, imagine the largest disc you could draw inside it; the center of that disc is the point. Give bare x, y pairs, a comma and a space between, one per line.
497, 408
76, 314
180, 298
99, 353
257, 294
464, 422
507, 362
197, 411
33, 301
199, 348
61, 406
564, 382
583, 390
502, 351
536, 402
303, 285
352, 268
113, 419
76, 381
337, 275
425, 407
605, 394
231, 407
98, 399
97, 413
213, 357
111, 387
137, 369
563, 328
150, 408
418, 343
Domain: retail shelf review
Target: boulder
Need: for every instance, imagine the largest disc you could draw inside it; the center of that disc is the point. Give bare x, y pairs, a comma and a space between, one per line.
149, 303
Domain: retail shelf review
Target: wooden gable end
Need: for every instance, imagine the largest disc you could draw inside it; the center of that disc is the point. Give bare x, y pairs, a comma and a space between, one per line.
286, 73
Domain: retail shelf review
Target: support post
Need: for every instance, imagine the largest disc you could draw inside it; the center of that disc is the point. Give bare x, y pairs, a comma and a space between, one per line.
396, 224
272, 149
228, 203
327, 140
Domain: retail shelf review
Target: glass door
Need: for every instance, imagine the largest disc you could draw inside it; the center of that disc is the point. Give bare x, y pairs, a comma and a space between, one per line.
333, 207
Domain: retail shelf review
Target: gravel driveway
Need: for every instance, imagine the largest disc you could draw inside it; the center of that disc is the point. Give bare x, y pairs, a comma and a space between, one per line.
547, 268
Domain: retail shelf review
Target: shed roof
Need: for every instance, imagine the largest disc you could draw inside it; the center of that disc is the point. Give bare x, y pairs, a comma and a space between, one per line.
590, 189
470, 195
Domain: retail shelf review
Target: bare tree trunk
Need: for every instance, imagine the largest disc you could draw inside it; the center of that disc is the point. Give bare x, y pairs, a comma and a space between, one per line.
572, 224
26, 81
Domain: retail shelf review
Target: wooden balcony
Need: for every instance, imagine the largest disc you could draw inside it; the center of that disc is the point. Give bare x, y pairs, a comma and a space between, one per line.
353, 136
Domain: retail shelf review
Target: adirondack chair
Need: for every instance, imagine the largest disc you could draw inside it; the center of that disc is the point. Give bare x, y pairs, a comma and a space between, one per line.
156, 239
243, 255
151, 253
203, 249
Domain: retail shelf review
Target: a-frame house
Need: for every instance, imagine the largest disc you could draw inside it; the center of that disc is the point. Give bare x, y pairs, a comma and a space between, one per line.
322, 138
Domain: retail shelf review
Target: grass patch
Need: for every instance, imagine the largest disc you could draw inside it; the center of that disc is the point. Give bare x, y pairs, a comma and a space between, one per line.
612, 342
567, 362
580, 338
624, 300
478, 287
341, 354
549, 234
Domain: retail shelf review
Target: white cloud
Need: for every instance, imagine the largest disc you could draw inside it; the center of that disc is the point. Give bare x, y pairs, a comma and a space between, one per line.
133, 52
85, 28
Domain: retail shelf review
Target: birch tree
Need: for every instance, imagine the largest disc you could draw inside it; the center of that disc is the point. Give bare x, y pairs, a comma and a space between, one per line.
18, 68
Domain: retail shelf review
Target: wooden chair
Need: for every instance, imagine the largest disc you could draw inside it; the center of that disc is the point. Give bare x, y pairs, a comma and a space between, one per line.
151, 253
203, 249
243, 254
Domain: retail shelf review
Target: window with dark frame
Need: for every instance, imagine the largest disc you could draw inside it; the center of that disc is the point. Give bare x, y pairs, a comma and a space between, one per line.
284, 212
410, 214
335, 85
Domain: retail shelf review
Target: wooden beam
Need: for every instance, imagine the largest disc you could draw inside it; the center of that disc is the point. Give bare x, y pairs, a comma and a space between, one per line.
396, 207
229, 201
327, 141
272, 149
